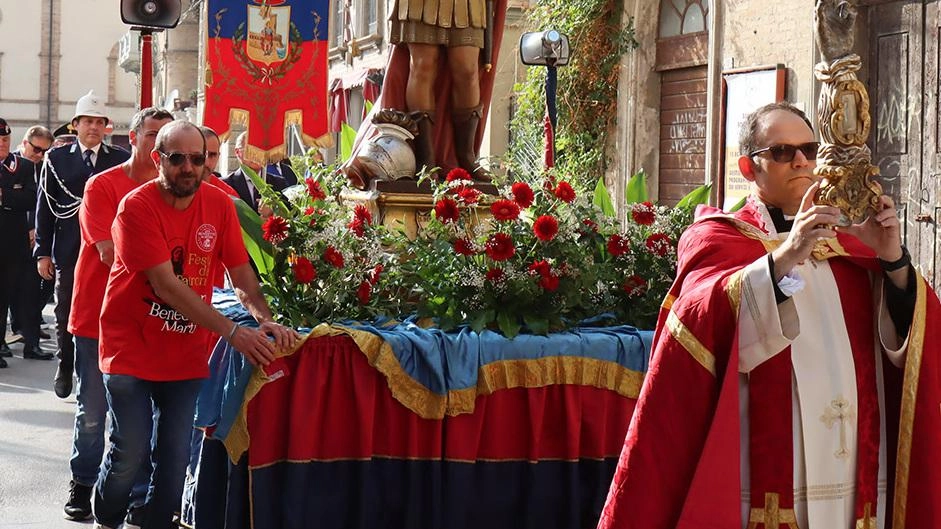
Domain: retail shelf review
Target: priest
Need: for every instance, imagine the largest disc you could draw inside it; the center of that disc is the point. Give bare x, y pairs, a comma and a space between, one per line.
794, 380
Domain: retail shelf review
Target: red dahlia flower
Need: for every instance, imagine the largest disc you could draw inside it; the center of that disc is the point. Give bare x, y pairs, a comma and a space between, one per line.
565, 192
364, 292
643, 213
540, 268
495, 275
634, 285
446, 210
618, 245
659, 244
467, 195
275, 229
362, 213
546, 227
333, 257
314, 190
505, 210
522, 194
500, 247
457, 174
464, 247
549, 283
374, 275
304, 271
357, 227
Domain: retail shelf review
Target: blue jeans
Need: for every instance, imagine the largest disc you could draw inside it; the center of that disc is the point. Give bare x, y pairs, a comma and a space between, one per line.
134, 404
88, 442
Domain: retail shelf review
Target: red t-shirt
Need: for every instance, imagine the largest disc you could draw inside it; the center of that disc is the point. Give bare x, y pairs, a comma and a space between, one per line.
99, 206
141, 335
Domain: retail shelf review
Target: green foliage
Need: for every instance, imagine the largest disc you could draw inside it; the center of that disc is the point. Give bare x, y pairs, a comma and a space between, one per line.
587, 89
636, 188
347, 137
602, 200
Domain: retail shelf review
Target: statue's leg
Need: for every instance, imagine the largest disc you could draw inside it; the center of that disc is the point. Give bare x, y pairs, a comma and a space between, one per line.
466, 113
420, 98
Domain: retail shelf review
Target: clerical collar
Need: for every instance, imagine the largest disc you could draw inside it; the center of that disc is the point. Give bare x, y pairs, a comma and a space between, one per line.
782, 223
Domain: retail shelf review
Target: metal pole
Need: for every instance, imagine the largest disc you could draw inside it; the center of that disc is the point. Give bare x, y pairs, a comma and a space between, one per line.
146, 68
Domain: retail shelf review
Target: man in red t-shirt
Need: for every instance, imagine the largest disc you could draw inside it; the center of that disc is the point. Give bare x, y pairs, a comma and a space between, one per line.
99, 206
168, 236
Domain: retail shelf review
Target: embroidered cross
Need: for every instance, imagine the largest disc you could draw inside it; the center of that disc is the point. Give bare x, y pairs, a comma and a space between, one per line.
839, 410
772, 516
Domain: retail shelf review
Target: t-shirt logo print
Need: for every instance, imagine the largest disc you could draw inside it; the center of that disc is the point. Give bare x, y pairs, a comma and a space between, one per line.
206, 237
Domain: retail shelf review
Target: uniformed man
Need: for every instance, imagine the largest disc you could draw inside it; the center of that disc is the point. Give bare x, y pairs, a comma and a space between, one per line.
17, 193
61, 185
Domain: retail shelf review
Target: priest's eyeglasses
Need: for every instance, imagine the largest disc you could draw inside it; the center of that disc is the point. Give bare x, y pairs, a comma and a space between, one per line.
785, 153
176, 159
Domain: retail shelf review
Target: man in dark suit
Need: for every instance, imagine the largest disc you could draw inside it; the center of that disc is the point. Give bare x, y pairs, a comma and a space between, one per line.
17, 193
61, 185
242, 183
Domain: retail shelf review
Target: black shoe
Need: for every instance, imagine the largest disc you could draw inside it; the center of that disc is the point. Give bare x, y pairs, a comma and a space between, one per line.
62, 383
5, 351
135, 517
79, 505
43, 335
32, 352
3, 363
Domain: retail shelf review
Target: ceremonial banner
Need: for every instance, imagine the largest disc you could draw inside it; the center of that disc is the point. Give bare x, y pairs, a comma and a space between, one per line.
266, 69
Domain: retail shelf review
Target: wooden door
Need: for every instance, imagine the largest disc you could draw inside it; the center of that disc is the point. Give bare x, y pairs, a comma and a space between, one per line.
682, 133
903, 87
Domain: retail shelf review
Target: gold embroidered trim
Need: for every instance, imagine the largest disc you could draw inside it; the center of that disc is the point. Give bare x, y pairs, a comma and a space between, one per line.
693, 346
668, 302
733, 290
868, 521
772, 515
916, 343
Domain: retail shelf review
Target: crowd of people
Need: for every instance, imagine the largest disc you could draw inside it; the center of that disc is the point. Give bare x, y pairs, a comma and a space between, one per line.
133, 243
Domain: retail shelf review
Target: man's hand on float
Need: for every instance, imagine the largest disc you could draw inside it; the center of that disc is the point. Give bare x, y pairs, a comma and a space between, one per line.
881, 231
284, 337
811, 224
254, 345
45, 268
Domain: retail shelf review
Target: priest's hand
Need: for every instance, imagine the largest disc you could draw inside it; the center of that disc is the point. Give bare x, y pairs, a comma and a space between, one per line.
881, 231
811, 224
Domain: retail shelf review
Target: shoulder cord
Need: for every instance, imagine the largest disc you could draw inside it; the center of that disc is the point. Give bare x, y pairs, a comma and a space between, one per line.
68, 209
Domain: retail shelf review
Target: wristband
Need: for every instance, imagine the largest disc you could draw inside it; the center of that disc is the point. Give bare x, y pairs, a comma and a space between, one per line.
901, 262
235, 327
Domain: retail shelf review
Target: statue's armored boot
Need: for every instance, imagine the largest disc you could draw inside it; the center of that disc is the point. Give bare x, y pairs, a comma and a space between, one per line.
424, 144
465, 122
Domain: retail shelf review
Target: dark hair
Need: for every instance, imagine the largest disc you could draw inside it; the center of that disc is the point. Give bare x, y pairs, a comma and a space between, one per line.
38, 131
752, 129
167, 129
207, 131
150, 112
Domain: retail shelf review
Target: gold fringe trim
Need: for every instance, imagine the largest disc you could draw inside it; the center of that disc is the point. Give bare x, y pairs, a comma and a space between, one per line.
914, 352
696, 349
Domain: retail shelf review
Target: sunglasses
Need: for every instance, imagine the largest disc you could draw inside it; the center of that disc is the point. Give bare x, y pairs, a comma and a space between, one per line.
39, 150
786, 153
176, 159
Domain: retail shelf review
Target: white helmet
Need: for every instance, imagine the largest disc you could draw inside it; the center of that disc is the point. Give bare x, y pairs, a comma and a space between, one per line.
90, 105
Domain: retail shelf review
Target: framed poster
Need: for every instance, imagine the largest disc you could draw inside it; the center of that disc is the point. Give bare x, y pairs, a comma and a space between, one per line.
744, 90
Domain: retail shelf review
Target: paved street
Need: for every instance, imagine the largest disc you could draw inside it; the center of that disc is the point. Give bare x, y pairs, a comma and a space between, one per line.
35, 442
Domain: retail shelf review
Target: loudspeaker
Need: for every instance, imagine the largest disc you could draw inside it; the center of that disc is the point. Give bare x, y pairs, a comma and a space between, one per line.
151, 13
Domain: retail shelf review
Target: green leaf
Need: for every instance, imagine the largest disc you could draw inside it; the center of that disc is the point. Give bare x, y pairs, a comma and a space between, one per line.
260, 250
481, 319
738, 205
602, 199
347, 137
508, 324
368, 106
636, 188
697, 196
537, 325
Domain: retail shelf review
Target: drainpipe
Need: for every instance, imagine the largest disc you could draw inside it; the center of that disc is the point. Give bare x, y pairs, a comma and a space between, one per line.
49, 124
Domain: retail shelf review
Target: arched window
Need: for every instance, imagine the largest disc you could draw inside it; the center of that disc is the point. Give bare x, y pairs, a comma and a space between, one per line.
682, 17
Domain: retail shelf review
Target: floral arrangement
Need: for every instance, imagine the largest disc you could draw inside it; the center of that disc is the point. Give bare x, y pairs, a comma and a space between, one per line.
540, 256
318, 259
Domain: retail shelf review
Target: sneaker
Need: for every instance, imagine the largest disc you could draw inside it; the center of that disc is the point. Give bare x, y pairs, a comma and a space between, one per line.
5, 351
3, 363
79, 505
135, 518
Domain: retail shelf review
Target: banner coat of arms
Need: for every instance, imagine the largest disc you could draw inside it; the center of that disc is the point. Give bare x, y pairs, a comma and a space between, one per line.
266, 69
